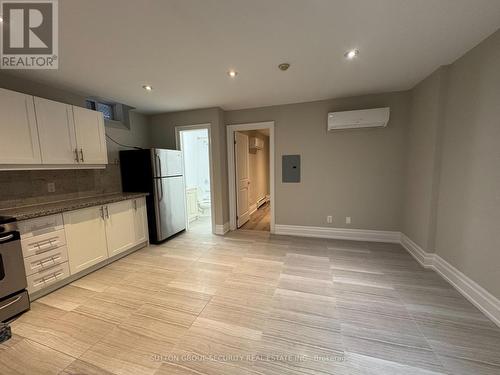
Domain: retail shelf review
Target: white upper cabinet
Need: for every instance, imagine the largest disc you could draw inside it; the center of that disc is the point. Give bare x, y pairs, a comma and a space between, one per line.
38, 133
56, 132
19, 141
90, 136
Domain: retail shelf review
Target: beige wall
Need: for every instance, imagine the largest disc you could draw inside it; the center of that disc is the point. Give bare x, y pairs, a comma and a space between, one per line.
357, 173
163, 135
258, 161
452, 204
468, 212
422, 167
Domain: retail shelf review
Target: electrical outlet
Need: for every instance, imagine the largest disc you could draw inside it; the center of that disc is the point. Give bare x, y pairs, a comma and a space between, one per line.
329, 219
51, 187
348, 220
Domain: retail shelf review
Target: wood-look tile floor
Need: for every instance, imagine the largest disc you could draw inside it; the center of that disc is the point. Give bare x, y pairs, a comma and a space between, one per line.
260, 220
254, 303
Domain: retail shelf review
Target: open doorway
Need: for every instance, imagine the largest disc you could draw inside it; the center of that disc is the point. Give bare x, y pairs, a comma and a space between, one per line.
251, 172
194, 142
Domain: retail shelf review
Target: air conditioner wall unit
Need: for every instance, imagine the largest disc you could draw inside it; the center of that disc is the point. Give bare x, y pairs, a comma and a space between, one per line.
256, 143
365, 118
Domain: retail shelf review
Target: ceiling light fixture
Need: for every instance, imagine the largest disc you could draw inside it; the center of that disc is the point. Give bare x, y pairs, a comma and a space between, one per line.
147, 87
232, 73
351, 54
1, 19
284, 66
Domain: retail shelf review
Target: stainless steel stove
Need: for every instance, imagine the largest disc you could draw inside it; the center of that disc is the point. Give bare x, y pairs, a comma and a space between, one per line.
13, 295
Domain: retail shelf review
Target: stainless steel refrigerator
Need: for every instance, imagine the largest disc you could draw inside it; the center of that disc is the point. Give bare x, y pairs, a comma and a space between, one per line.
160, 173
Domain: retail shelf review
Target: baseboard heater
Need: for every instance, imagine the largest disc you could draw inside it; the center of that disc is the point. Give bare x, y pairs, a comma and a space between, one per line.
261, 201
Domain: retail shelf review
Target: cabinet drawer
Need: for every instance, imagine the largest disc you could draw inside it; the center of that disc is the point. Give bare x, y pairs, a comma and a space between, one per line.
44, 261
40, 225
43, 279
43, 243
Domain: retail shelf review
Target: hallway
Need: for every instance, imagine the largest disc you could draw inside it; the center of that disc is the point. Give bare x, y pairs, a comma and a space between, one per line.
260, 219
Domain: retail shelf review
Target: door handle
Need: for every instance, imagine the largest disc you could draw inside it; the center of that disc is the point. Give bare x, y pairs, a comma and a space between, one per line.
107, 212
158, 165
102, 212
6, 238
81, 153
135, 205
10, 303
77, 159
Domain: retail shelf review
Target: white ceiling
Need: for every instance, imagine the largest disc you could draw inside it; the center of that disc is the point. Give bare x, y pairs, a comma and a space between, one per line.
184, 48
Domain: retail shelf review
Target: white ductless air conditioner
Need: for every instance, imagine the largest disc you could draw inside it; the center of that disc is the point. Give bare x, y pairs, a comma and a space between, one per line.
365, 118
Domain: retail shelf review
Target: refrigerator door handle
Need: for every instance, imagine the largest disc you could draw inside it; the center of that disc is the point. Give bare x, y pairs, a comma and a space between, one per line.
158, 165
160, 189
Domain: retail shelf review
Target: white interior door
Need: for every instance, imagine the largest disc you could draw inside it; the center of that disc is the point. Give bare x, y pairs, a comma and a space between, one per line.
242, 178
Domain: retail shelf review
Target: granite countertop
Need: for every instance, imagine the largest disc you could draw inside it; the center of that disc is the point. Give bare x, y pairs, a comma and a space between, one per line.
56, 207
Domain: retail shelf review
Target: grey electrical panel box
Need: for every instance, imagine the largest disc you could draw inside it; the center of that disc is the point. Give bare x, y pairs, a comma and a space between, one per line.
290, 168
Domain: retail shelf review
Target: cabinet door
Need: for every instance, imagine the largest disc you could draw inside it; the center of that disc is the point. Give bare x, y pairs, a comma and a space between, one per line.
120, 223
85, 238
90, 136
56, 132
19, 135
141, 220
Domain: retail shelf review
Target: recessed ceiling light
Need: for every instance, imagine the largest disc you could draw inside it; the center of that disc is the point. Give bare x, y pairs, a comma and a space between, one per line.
284, 66
351, 54
147, 87
232, 73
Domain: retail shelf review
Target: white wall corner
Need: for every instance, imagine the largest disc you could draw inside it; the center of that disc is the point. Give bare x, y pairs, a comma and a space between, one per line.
222, 229
486, 302
338, 233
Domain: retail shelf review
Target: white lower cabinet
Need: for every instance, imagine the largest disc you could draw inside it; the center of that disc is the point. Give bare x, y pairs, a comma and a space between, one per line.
97, 233
46, 278
141, 220
85, 237
59, 246
120, 226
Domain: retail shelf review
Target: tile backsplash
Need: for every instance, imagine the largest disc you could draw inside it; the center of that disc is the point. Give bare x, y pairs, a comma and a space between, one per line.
19, 188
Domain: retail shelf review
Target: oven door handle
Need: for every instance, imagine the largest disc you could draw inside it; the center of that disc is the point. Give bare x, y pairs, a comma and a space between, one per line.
10, 303
6, 238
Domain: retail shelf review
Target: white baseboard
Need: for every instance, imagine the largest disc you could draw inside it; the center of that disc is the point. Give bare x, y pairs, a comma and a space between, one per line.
252, 208
476, 294
424, 258
221, 229
338, 233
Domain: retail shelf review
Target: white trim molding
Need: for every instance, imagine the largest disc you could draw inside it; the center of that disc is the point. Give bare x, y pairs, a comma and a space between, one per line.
253, 208
230, 129
475, 293
222, 229
178, 146
424, 258
338, 233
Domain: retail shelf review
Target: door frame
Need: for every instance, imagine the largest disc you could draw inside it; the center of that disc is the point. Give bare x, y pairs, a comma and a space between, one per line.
178, 144
231, 167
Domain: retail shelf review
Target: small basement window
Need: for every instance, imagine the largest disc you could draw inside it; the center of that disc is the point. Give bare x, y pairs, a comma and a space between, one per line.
116, 115
105, 108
